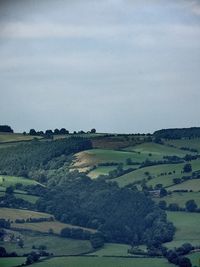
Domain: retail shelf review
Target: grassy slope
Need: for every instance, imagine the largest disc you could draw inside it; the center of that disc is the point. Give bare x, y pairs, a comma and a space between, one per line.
103, 262
26, 197
15, 137
181, 198
13, 214
44, 227
6, 181
112, 249
54, 244
155, 172
190, 143
187, 185
95, 156
157, 150
11, 262
187, 227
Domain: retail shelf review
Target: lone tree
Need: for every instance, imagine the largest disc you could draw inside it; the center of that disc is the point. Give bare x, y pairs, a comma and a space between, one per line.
93, 130
191, 205
187, 167
6, 129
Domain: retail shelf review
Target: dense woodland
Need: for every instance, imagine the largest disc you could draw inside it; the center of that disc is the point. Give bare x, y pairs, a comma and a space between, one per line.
174, 133
25, 158
122, 215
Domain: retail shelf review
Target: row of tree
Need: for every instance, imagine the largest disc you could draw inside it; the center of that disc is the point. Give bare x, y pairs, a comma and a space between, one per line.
56, 132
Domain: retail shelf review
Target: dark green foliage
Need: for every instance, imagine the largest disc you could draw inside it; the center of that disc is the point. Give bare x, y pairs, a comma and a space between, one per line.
4, 224
178, 133
2, 252
97, 240
191, 205
119, 214
187, 167
6, 129
24, 158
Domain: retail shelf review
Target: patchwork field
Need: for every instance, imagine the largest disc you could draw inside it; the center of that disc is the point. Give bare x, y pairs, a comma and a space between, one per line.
44, 227
13, 214
187, 228
95, 156
157, 150
189, 143
160, 174
66, 246
181, 198
16, 137
6, 181
11, 262
26, 197
193, 185
103, 262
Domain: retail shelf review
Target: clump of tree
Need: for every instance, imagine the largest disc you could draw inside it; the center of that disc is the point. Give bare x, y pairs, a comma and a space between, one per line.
118, 213
178, 133
6, 129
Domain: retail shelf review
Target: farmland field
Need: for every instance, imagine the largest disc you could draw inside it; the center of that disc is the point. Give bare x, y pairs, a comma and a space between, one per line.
193, 185
44, 227
103, 262
6, 181
66, 246
95, 156
156, 150
112, 249
187, 227
26, 197
161, 174
181, 198
15, 137
13, 214
11, 262
189, 143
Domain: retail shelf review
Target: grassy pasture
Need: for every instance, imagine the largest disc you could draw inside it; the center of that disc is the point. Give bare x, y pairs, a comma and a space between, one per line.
11, 262
55, 244
190, 143
157, 150
103, 262
6, 181
102, 170
95, 156
187, 227
195, 258
13, 214
155, 173
26, 197
15, 137
44, 227
193, 185
181, 198
112, 249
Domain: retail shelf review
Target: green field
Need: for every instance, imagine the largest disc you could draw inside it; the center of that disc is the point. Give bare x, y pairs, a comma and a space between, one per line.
181, 198
15, 137
112, 249
103, 262
44, 227
11, 262
156, 150
13, 214
26, 197
193, 185
95, 156
195, 258
189, 143
155, 172
103, 170
6, 181
55, 244
187, 227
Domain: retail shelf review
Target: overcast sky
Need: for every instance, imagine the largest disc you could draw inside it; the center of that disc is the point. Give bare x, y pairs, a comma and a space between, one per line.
116, 65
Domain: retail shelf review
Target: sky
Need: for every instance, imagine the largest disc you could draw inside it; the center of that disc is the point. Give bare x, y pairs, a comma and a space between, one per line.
123, 66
